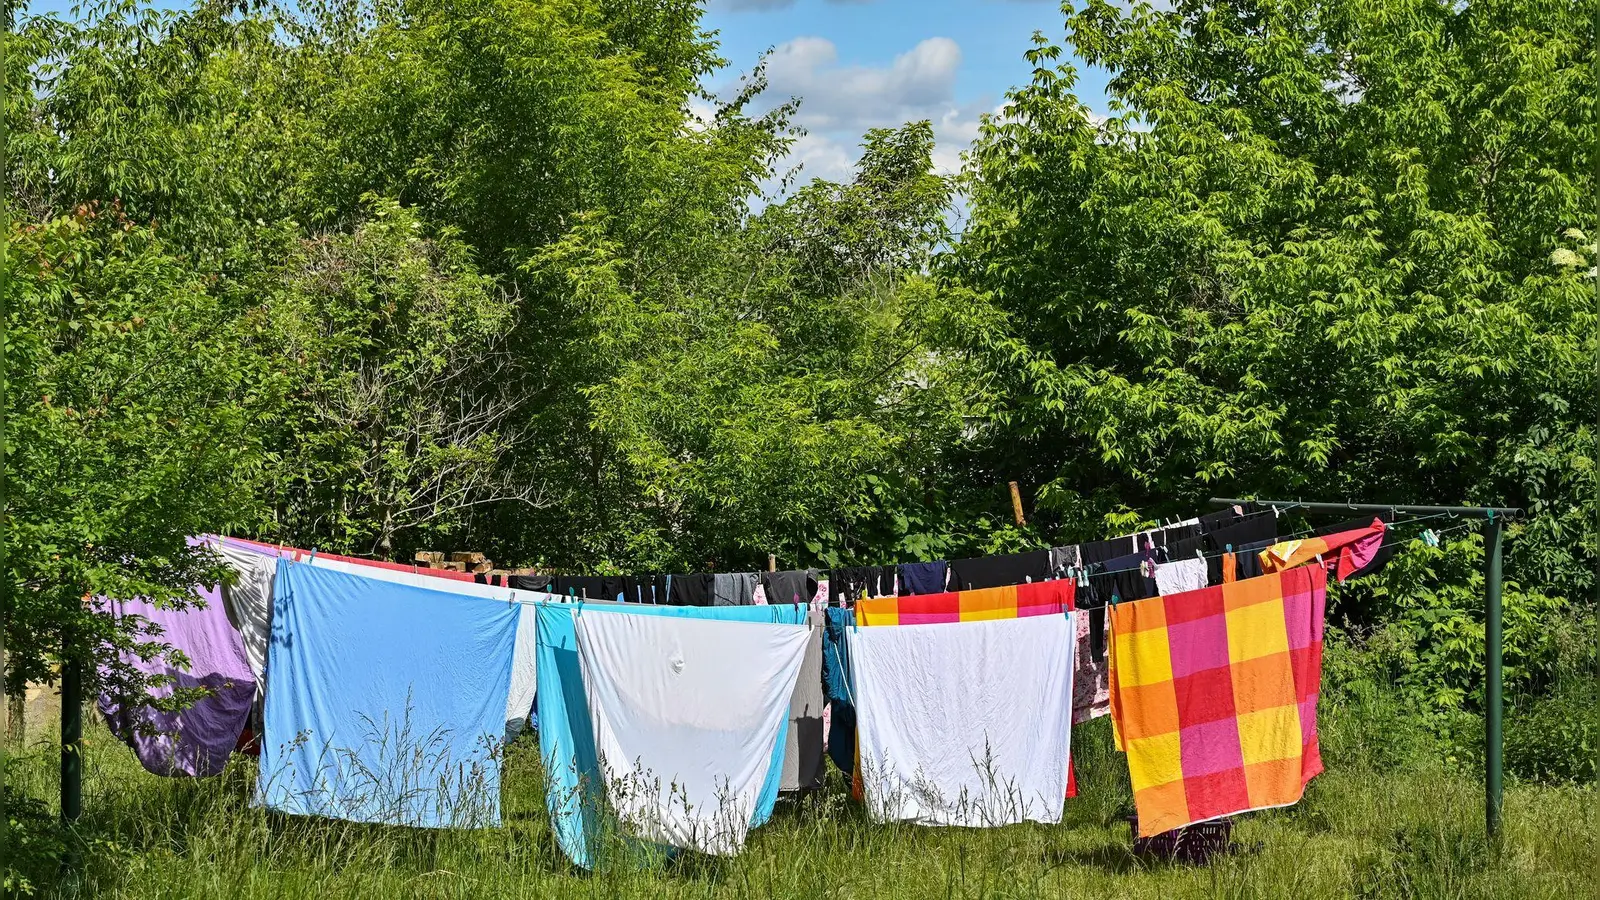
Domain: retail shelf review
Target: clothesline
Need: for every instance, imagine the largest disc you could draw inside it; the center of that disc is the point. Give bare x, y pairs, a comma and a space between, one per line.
1222, 553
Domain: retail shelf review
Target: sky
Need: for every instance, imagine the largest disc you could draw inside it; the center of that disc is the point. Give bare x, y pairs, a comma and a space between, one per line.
860, 64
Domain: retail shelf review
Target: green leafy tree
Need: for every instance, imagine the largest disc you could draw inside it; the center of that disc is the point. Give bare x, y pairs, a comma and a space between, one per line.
400, 419
793, 397
1309, 255
131, 411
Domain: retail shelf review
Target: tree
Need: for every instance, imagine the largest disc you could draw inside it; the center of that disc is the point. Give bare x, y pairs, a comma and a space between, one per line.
400, 418
131, 411
1310, 255
792, 396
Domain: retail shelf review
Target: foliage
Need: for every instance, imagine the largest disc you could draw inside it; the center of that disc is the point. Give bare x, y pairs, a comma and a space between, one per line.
1557, 738
486, 274
32, 845
1388, 831
1321, 250
792, 395
1310, 255
399, 351
130, 410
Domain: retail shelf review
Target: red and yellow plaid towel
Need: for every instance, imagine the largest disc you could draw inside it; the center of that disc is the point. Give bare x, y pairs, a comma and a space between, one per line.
1214, 696
1043, 598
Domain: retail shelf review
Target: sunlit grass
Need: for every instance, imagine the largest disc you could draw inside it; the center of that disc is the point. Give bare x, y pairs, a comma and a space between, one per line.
1359, 832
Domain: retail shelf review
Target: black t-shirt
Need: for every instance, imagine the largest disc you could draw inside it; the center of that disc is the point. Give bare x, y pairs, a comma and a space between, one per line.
999, 571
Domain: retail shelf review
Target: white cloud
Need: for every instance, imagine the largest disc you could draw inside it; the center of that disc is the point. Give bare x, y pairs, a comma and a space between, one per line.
919, 84
819, 156
840, 102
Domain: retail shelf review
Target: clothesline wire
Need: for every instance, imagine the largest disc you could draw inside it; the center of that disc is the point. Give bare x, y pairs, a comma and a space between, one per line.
1221, 553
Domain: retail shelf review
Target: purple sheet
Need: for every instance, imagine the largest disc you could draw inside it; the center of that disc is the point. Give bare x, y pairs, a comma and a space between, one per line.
198, 740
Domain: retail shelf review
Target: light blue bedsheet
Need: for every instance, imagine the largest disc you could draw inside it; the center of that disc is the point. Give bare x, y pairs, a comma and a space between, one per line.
386, 701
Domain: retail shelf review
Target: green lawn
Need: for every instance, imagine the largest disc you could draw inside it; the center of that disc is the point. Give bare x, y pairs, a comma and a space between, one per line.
1358, 833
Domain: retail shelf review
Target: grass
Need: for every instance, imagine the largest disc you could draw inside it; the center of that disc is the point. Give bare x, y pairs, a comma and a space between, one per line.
1359, 832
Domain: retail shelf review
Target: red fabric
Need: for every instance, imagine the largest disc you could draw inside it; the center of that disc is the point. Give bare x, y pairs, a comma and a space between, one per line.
299, 555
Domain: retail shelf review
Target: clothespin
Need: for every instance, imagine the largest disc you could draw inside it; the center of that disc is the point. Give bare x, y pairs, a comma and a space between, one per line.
1491, 517
1430, 538
313, 557
1230, 548
1276, 512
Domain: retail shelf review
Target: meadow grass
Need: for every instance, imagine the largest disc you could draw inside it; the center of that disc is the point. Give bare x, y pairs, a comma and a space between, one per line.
1358, 833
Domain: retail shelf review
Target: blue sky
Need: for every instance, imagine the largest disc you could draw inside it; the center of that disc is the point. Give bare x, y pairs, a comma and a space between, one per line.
860, 64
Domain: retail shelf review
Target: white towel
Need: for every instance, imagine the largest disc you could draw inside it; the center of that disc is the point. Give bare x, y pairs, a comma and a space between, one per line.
686, 714
965, 723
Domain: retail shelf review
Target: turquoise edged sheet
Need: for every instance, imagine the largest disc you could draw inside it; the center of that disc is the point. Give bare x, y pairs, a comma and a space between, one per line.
574, 790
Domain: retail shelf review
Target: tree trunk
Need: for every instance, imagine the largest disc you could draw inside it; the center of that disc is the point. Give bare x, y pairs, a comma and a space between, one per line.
16, 727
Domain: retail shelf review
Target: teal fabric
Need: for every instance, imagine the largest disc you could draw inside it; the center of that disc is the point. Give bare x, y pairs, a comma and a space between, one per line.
573, 789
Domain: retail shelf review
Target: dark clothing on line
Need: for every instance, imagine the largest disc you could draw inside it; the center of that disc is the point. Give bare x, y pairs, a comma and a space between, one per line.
692, 590
540, 583
999, 571
1245, 531
1100, 551
795, 586
923, 578
1247, 559
845, 586
733, 589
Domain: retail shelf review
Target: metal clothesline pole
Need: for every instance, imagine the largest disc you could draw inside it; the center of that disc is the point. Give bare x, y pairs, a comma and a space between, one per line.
1494, 691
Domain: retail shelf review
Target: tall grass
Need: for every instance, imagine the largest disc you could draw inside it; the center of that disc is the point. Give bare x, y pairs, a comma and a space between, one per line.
1363, 831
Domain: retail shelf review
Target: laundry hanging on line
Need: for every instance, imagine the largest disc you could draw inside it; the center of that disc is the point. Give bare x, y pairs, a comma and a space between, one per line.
1351, 550
1214, 696
198, 740
982, 744
574, 785
370, 718
803, 753
250, 604
687, 714
1010, 602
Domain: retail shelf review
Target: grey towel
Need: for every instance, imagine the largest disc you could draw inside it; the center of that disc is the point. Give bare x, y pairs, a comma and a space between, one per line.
736, 589
802, 751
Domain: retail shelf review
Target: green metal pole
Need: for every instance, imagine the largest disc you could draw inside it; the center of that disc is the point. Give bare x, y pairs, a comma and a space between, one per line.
71, 741
1494, 699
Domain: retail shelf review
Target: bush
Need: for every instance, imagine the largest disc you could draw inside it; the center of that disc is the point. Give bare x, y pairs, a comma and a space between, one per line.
1556, 739
31, 845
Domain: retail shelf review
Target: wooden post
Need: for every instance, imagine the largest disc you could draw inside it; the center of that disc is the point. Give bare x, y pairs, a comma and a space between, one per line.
1016, 505
772, 562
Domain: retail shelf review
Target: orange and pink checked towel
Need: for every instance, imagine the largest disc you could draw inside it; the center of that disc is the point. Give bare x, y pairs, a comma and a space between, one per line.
1040, 598
1214, 696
